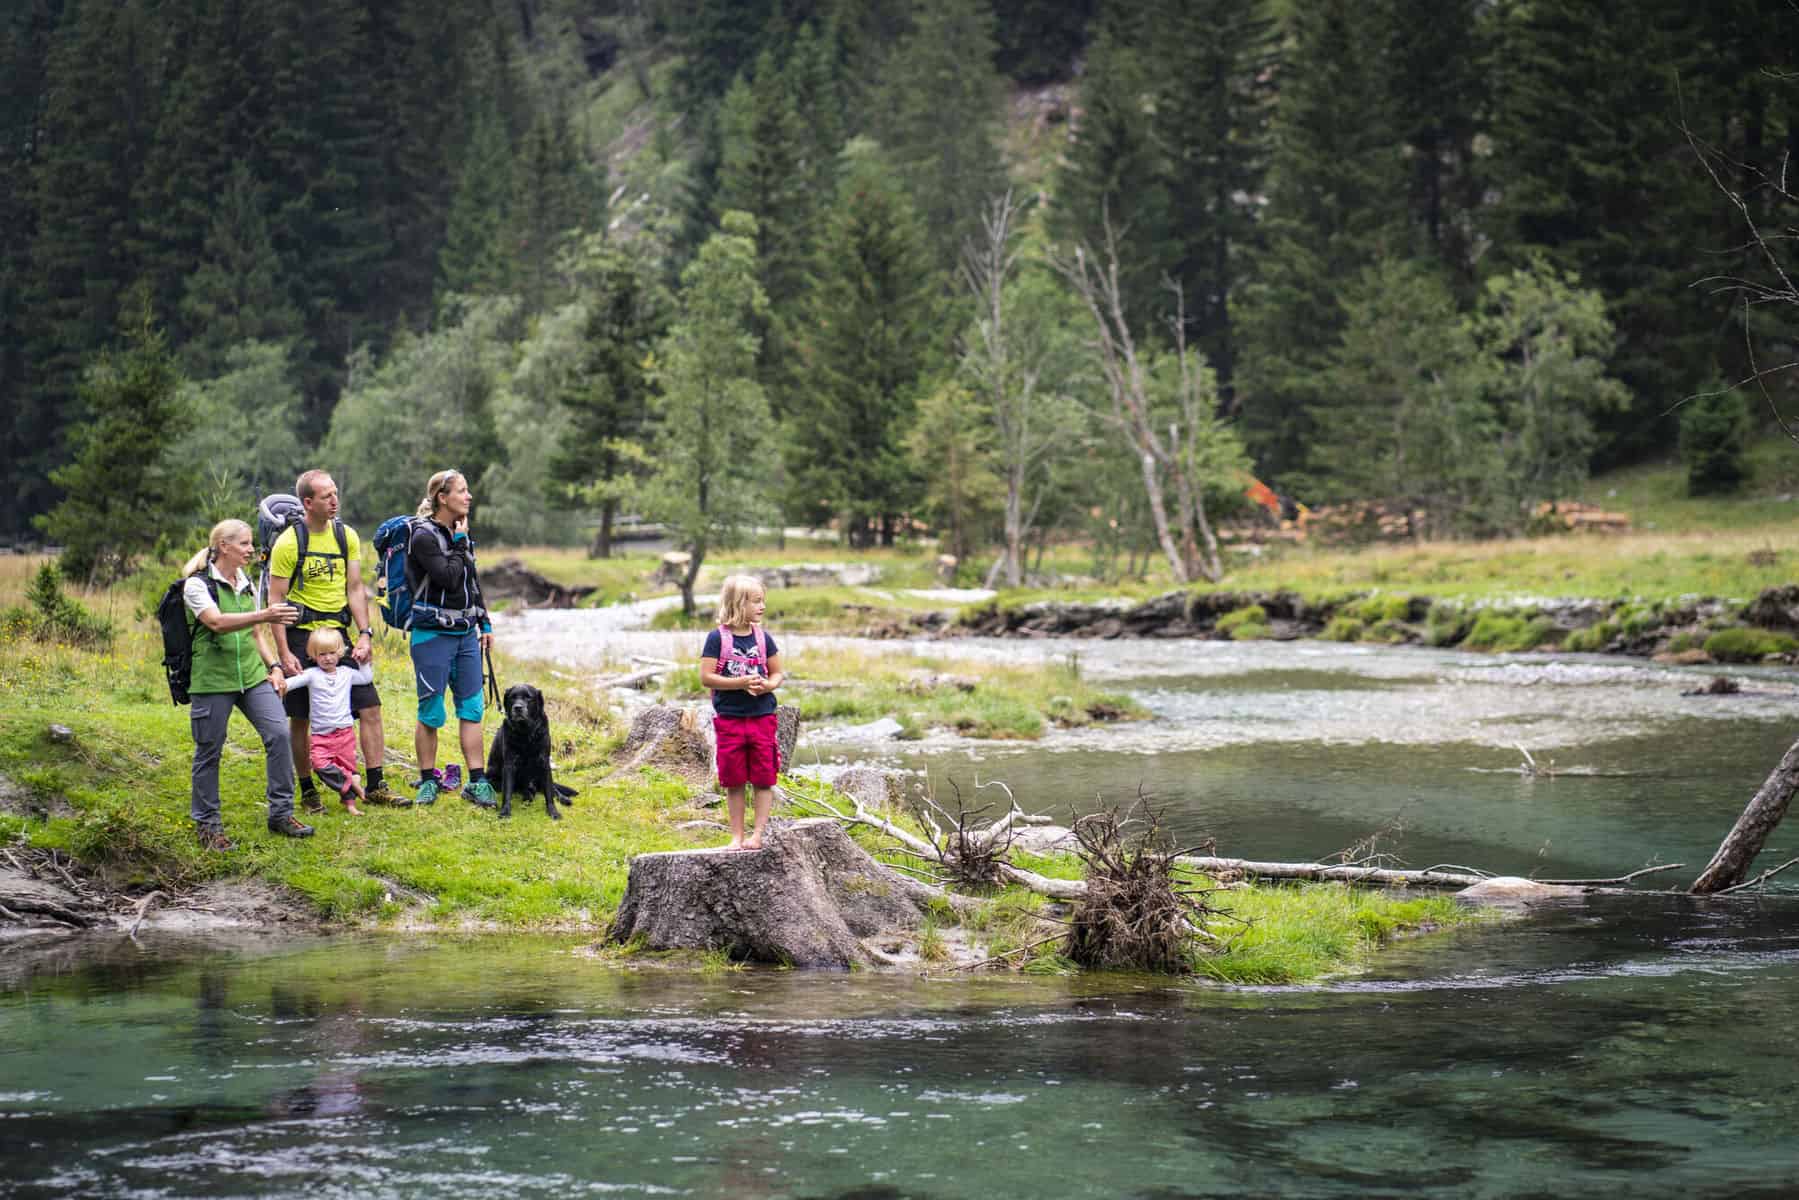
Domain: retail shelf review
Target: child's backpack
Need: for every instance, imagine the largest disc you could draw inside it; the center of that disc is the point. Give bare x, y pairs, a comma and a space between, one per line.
393, 591
727, 648
178, 635
276, 514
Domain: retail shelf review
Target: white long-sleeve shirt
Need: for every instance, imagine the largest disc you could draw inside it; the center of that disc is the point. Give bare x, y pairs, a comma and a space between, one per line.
330, 703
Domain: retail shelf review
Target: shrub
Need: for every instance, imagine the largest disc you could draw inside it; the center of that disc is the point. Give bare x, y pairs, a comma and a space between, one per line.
1342, 629
1505, 632
1742, 645
53, 616
1684, 641
1592, 639
1445, 624
1714, 435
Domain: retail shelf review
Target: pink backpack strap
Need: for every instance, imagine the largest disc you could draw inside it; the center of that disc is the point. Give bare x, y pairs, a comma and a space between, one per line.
761, 648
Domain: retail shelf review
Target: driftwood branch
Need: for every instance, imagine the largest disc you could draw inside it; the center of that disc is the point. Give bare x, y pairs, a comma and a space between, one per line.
1619, 879
1230, 867
1762, 878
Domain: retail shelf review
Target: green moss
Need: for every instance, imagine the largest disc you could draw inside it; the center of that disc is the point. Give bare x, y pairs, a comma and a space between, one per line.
1744, 645
1343, 629
1388, 633
1446, 624
1381, 607
1592, 639
1504, 632
1250, 618
1685, 640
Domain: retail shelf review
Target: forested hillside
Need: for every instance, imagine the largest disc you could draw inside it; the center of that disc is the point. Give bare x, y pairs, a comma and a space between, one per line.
1011, 269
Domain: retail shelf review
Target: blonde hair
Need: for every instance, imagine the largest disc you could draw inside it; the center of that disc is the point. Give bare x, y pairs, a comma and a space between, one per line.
324, 640
435, 489
734, 598
224, 531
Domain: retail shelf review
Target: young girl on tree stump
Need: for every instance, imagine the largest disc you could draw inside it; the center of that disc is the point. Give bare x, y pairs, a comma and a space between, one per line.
742, 666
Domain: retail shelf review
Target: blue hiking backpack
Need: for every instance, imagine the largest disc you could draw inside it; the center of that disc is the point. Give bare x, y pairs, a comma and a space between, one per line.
393, 593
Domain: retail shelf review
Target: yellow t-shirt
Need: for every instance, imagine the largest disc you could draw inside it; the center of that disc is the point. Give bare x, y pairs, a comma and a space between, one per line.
323, 583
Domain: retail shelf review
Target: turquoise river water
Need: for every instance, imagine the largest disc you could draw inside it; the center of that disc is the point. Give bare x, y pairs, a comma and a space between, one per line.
1637, 1045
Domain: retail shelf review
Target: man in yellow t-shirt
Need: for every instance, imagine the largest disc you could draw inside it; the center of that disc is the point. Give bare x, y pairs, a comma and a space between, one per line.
327, 587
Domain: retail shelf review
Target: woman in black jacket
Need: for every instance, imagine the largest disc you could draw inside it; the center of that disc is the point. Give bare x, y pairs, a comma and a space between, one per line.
450, 629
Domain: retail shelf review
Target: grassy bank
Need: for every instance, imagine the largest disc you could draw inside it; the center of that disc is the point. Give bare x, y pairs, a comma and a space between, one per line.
115, 795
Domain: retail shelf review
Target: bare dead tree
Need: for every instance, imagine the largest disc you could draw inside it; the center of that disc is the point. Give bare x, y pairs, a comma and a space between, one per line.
1005, 360
1168, 451
1735, 856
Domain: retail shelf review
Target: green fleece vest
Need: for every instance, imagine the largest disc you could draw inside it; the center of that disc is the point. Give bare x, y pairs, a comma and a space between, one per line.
227, 662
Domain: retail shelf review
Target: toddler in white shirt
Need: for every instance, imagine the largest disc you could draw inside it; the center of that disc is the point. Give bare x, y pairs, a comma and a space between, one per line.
333, 725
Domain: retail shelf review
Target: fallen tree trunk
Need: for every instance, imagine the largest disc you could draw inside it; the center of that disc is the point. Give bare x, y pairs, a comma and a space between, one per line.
1747, 837
1232, 868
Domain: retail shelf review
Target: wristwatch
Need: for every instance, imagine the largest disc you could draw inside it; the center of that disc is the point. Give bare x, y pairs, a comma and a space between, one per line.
367, 633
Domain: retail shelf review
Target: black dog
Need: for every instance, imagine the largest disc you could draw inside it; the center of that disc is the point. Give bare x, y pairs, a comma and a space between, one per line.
520, 758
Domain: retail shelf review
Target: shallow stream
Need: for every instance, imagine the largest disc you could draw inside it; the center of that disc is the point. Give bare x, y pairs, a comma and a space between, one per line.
1636, 1045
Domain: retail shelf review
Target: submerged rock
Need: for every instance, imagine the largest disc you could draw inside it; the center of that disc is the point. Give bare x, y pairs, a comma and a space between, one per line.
1510, 889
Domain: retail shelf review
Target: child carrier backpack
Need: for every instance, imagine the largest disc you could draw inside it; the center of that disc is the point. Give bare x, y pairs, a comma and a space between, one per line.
276, 514
178, 634
393, 591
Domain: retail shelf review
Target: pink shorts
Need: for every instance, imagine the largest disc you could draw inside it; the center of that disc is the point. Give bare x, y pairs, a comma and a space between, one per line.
336, 749
747, 752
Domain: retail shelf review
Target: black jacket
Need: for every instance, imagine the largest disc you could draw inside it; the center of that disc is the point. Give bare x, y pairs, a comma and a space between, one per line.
440, 568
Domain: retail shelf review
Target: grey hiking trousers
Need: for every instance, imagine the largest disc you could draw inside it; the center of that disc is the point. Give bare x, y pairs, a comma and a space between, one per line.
211, 715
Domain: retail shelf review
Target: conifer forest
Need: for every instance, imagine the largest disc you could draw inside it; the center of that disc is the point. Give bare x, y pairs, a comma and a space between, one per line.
1002, 270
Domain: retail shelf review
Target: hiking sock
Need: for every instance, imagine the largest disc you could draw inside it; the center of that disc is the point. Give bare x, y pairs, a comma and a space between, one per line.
374, 777
308, 787
477, 774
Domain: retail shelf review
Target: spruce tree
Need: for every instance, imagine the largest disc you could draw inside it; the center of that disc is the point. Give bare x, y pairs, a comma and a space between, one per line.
1114, 175
554, 195
1593, 170
938, 117
1210, 62
871, 333
25, 421
95, 131
125, 487
1335, 207
1441, 97
472, 258
235, 293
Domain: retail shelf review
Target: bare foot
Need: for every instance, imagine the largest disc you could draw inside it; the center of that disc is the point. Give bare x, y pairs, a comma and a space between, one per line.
352, 809
754, 843
736, 844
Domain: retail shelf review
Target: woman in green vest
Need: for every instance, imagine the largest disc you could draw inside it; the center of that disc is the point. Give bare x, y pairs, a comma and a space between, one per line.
235, 666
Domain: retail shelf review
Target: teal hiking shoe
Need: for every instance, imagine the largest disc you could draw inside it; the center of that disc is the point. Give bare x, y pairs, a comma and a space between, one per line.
427, 794
480, 794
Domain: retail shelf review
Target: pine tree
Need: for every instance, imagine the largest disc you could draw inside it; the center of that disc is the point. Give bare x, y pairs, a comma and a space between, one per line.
125, 487
938, 118
719, 40
95, 132
235, 293
1115, 175
870, 335
25, 422
554, 195
1335, 207
1211, 61
608, 394
1593, 170
471, 259
210, 113
1038, 40
1441, 96
713, 422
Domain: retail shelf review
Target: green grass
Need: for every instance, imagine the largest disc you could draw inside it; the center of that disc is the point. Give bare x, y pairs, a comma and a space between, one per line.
984, 701
1300, 932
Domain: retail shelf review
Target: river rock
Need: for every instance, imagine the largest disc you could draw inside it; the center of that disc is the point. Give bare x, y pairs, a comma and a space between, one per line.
1776, 608
1510, 889
1044, 839
794, 575
806, 899
511, 579
874, 788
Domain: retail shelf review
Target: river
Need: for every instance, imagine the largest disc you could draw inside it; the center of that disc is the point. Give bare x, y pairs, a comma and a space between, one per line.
1632, 1044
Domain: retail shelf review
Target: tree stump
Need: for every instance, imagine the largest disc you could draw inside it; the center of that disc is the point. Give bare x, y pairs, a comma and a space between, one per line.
806, 899
678, 739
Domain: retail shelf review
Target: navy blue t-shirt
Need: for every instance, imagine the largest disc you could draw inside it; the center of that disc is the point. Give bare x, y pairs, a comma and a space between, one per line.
738, 703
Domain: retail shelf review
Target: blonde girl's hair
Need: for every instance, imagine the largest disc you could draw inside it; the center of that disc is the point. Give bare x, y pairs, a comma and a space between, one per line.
734, 599
440, 483
324, 640
226, 530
